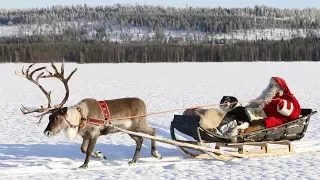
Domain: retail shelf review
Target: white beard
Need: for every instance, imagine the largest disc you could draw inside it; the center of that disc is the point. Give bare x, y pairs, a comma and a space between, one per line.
266, 96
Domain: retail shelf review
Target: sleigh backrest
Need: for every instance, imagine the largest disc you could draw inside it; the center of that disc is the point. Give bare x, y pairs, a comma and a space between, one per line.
298, 128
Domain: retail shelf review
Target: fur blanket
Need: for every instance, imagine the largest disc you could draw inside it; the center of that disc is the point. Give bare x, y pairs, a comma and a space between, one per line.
210, 119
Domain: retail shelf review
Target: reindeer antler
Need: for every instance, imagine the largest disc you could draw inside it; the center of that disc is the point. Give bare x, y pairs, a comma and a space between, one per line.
29, 76
58, 75
61, 77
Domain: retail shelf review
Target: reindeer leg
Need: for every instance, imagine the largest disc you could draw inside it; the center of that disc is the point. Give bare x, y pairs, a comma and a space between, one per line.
152, 132
96, 154
139, 141
154, 151
90, 147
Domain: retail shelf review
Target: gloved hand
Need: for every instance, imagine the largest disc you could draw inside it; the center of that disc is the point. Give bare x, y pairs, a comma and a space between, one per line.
255, 113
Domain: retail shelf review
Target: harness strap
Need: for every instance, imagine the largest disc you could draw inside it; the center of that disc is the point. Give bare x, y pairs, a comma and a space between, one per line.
71, 125
94, 121
104, 110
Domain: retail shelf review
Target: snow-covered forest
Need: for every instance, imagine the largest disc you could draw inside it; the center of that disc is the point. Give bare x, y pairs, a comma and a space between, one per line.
123, 23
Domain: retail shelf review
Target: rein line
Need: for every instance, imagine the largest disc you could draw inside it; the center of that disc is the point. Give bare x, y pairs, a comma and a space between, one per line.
167, 111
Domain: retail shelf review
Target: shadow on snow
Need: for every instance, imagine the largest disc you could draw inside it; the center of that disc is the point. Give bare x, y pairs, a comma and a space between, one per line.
72, 151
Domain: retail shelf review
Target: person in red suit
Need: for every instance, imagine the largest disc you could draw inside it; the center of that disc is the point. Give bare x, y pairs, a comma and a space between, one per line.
276, 105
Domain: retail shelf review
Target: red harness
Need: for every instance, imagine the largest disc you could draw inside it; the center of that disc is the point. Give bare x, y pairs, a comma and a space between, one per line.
104, 110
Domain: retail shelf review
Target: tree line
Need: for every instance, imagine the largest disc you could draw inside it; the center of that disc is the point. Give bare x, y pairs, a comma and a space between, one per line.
157, 18
43, 49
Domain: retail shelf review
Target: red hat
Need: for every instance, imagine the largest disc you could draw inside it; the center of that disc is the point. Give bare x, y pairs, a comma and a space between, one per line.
282, 83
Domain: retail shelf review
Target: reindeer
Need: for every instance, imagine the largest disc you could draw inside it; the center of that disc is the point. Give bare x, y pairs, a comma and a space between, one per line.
86, 118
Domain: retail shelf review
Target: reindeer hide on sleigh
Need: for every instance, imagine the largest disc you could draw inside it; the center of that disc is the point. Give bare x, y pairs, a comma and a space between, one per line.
210, 118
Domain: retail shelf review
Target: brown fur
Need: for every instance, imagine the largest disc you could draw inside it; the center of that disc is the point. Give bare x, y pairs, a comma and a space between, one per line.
119, 108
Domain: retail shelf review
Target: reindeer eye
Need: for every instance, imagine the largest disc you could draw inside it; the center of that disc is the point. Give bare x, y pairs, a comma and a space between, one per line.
51, 118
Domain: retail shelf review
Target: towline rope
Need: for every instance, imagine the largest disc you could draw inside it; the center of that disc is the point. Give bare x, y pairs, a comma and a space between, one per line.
181, 109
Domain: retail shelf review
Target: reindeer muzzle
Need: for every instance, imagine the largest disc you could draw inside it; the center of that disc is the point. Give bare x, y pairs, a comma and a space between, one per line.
48, 133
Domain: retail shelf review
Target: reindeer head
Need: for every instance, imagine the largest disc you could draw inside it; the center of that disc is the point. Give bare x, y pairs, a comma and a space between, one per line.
57, 120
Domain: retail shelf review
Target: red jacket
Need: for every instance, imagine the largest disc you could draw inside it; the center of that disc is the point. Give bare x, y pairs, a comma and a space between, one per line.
286, 108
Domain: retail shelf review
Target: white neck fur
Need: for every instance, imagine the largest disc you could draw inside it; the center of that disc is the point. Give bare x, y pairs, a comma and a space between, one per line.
73, 116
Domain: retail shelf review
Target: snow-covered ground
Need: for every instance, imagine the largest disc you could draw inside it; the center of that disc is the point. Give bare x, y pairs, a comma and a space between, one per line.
25, 153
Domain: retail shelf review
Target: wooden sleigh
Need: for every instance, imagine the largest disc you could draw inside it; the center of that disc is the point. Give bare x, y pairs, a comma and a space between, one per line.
275, 141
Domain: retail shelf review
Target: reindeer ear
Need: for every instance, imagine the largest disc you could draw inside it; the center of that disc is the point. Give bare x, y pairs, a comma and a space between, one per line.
63, 110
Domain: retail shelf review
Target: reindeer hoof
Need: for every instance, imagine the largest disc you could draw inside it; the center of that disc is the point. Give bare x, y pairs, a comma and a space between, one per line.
156, 154
84, 166
131, 163
98, 154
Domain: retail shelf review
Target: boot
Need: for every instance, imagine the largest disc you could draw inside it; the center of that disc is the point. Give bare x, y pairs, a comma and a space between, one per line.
253, 128
259, 125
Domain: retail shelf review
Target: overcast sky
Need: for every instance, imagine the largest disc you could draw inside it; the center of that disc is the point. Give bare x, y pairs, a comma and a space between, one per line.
176, 3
